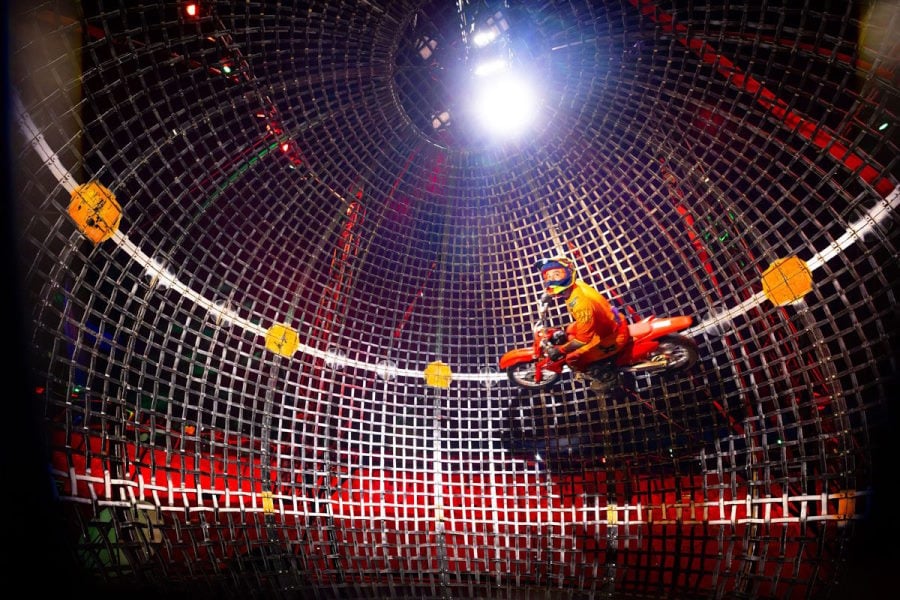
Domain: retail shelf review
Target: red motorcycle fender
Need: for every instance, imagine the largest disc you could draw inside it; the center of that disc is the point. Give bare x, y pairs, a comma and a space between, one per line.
670, 324
658, 327
640, 329
514, 357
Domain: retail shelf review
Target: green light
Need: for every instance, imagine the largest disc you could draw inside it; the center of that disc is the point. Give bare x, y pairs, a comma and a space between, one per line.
884, 126
226, 69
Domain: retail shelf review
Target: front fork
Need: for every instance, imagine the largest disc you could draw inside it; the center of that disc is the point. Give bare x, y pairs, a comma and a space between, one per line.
545, 364
542, 349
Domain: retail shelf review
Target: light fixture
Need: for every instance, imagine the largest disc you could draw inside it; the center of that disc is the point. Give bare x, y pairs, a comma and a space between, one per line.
387, 370
426, 46
224, 315
492, 28
502, 97
486, 38
488, 374
483, 38
191, 10
335, 358
159, 274
441, 120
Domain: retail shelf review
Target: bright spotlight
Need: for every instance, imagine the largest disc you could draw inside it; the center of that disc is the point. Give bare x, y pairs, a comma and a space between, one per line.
483, 38
505, 105
490, 66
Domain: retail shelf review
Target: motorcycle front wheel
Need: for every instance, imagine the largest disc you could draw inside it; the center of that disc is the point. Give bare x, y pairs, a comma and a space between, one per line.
523, 375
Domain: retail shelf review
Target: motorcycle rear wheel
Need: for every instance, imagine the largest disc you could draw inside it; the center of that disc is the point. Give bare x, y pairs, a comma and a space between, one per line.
674, 353
522, 375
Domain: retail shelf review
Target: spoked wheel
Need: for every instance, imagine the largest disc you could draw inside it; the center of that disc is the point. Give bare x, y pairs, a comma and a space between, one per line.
674, 353
523, 374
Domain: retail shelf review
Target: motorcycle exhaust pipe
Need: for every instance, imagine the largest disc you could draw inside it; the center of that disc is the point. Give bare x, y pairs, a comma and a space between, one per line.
648, 365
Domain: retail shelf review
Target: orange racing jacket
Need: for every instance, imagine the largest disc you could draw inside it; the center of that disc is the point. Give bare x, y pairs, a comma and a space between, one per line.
597, 330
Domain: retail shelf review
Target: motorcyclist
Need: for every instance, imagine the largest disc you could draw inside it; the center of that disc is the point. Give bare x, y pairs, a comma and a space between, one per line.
598, 331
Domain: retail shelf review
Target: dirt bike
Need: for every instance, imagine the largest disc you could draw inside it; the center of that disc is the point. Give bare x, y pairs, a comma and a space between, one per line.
655, 347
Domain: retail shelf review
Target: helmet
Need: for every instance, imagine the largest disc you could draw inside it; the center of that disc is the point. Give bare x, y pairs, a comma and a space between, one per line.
559, 282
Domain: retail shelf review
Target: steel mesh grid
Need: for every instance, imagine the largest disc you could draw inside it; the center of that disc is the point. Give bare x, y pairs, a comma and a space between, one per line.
140, 384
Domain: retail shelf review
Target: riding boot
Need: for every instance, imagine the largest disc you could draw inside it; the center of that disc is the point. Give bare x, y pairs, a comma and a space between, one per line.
603, 372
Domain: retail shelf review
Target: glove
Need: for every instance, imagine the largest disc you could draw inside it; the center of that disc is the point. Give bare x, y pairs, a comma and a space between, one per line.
555, 353
559, 338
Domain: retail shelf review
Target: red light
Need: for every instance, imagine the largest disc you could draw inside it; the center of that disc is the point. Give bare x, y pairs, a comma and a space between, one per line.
285, 146
191, 9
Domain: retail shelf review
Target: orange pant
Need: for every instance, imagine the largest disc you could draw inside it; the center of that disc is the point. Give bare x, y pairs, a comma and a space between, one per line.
603, 348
